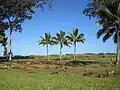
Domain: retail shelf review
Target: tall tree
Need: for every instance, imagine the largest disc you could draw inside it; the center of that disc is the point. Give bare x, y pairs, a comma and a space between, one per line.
75, 37
107, 13
14, 12
47, 40
61, 40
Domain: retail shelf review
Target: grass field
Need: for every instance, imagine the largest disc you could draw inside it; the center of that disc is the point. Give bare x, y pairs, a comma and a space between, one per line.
41, 76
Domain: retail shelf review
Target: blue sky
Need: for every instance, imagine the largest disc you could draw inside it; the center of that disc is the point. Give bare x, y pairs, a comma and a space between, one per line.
65, 15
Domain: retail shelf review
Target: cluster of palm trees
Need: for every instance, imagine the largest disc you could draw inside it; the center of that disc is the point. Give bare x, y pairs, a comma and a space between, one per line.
62, 39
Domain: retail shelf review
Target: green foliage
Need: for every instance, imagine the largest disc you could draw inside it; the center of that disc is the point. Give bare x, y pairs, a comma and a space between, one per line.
75, 36
23, 57
47, 40
60, 39
107, 13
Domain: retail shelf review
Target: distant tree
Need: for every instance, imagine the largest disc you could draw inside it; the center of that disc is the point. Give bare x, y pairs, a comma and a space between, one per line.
47, 40
75, 37
61, 40
107, 13
14, 12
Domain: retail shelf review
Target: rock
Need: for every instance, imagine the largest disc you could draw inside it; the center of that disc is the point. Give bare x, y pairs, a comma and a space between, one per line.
110, 73
88, 74
12, 66
55, 73
5, 66
28, 63
101, 75
66, 68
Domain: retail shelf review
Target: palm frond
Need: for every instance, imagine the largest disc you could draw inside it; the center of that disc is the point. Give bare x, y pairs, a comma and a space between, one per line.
115, 38
55, 38
67, 44
80, 36
58, 36
108, 32
71, 35
69, 39
41, 37
46, 39
108, 35
75, 32
81, 40
100, 32
62, 33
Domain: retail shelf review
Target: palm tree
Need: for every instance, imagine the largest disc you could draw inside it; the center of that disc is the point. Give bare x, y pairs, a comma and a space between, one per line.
47, 40
61, 40
75, 37
108, 15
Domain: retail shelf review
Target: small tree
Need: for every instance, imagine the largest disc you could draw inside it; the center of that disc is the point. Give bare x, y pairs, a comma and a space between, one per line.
75, 37
61, 40
47, 40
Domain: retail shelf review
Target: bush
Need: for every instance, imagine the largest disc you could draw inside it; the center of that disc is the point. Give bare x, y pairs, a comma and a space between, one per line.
23, 57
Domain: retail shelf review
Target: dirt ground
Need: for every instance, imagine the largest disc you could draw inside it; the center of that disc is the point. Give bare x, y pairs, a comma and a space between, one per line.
84, 68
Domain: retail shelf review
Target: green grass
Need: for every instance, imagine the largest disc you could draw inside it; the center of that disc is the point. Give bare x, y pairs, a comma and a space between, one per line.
42, 79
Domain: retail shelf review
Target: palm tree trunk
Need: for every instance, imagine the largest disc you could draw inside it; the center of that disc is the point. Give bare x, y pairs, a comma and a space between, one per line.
10, 45
47, 52
60, 53
117, 51
74, 50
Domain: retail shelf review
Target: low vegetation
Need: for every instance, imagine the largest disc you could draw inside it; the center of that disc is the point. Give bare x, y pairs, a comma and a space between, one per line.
110, 57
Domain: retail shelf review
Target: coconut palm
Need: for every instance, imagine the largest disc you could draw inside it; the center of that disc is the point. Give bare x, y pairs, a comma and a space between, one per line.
108, 15
47, 40
75, 37
61, 40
